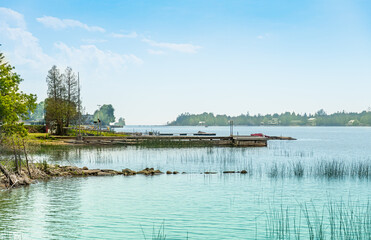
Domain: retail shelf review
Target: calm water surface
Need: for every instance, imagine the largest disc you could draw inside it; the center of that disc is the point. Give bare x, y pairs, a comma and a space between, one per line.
193, 205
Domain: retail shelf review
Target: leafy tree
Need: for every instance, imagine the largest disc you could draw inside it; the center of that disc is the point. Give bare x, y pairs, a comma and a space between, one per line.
54, 105
61, 104
106, 114
121, 121
14, 106
39, 112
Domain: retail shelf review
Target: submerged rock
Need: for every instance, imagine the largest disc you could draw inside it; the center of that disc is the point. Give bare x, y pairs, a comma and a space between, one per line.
106, 174
210, 172
229, 172
175, 172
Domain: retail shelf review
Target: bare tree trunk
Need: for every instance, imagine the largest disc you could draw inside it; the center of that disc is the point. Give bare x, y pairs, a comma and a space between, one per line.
26, 156
15, 158
6, 173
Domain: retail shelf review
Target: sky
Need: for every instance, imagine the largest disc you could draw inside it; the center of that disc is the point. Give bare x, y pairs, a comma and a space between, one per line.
153, 60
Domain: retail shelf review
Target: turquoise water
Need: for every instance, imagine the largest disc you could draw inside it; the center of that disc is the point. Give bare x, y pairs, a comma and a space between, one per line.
193, 205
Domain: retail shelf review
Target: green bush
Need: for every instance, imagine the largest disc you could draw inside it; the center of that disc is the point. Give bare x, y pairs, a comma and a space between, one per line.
35, 128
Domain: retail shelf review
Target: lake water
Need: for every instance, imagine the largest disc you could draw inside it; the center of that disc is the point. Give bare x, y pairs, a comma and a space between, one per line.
271, 201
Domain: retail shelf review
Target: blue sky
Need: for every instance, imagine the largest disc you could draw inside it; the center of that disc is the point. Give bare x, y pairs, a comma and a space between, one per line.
156, 59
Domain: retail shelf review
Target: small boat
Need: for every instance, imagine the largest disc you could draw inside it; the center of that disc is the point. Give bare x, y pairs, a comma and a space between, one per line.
200, 133
257, 135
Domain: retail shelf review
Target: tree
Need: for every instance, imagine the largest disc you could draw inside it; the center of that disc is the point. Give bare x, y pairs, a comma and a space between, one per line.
39, 112
106, 114
321, 112
121, 121
14, 106
61, 104
54, 106
71, 97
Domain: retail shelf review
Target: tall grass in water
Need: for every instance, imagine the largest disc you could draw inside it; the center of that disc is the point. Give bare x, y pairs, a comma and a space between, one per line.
334, 221
156, 235
322, 169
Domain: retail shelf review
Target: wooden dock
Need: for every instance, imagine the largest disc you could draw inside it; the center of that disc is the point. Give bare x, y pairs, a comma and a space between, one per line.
163, 140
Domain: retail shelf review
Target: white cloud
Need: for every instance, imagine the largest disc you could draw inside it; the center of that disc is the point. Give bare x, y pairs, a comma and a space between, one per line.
119, 35
178, 47
23, 50
56, 23
12, 18
156, 52
15, 35
89, 56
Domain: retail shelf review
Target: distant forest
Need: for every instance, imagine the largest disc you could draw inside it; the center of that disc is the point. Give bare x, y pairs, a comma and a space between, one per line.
320, 118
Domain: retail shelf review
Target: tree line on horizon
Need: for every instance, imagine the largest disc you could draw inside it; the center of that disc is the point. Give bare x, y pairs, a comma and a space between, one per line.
320, 118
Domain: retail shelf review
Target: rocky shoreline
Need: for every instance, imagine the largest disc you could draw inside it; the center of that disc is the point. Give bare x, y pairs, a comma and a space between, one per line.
42, 171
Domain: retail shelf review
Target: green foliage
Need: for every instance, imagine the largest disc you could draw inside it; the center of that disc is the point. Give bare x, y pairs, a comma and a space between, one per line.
121, 121
38, 113
61, 104
283, 119
14, 104
35, 128
106, 114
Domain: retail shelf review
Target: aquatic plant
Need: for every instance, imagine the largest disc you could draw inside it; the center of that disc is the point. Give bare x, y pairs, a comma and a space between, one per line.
335, 220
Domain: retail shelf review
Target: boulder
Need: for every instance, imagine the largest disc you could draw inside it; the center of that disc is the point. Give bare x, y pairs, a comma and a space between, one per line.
157, 172
85, 168
169, 172
91, 172
229, 172
128, 172
175, 172
63, 174
72, 168
26, 179
243, 172
150, 171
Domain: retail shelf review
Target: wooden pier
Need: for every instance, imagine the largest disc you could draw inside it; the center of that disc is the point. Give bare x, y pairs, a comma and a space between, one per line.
237, 141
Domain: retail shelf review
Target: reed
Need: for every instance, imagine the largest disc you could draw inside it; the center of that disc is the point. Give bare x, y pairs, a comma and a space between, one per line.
335, 220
